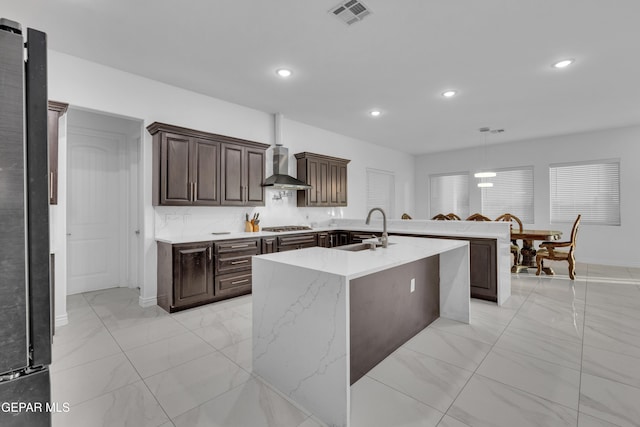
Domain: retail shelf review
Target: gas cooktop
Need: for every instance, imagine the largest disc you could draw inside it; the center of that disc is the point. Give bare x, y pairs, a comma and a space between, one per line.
281, 228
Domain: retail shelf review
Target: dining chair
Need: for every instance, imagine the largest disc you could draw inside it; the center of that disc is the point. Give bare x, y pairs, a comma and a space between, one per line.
405, 216
453, 216
441, 217
548, 251
478, 217
515, 249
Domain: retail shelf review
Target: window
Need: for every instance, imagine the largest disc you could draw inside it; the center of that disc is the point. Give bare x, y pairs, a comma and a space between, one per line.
591, 189
449, 193
512, 192
381, 190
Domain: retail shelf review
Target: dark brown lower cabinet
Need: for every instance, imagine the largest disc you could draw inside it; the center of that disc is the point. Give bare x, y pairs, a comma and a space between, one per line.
483, 268
342, 238
233, 266
233, 284
297, 241
185, 275
268, 245
324, 240
199, 273
193, 274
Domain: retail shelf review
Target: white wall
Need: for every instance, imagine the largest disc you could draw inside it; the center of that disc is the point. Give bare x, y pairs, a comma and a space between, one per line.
613, 245
92, 86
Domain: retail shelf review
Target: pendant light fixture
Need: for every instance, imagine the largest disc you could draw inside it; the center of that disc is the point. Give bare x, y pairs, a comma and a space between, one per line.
486, 173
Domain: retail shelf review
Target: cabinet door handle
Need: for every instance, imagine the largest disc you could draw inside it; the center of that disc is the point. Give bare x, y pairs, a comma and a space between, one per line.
195, 191
240, 281
50, 187
244, 261
209, 252
239, 246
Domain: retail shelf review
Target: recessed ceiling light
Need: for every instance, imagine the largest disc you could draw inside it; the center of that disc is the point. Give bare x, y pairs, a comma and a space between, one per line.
563, 64
375, 113
283, 72
449, 93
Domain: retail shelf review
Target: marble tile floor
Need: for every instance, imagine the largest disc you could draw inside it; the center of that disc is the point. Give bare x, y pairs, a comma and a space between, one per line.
558, 353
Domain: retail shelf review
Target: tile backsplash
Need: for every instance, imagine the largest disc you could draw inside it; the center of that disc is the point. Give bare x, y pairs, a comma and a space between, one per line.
183, 220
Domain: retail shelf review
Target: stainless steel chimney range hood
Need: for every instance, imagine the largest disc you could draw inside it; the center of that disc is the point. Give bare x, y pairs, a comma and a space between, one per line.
281, 180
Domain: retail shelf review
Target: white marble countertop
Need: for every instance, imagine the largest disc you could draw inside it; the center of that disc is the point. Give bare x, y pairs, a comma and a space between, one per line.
401, 250
490, 230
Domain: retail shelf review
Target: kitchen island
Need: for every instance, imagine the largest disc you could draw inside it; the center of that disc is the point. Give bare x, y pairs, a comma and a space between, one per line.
322, 317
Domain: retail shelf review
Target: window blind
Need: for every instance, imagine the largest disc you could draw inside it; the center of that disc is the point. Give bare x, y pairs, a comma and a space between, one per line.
591, 189
512, 192
449, 193
381, 191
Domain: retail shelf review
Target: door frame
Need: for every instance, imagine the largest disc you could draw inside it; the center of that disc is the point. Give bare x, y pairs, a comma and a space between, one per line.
130, 215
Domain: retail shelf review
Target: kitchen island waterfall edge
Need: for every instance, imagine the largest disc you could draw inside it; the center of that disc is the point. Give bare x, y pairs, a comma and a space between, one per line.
301, 314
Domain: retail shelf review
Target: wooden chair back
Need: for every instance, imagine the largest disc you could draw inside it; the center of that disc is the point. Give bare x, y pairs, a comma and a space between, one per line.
405, 216
441, 217
478, 217
511, 218
453, 216
548, 251
574, 233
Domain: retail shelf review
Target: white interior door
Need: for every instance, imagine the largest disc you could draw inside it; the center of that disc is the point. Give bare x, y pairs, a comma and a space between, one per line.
93, 229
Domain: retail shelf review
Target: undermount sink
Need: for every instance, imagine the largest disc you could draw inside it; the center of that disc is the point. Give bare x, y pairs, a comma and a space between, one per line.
356, 247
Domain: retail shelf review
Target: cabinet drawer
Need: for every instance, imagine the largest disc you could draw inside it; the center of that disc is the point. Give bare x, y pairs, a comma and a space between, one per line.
297, 241
235, 283
285, 248
238, 246
233, 263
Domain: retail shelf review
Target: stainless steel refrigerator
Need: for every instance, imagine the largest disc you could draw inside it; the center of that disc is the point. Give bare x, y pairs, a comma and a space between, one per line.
25, 294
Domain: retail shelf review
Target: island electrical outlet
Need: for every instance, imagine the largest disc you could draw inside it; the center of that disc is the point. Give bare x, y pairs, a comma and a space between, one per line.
413, 284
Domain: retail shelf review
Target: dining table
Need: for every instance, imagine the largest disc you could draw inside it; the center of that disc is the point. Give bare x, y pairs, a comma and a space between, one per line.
528, 250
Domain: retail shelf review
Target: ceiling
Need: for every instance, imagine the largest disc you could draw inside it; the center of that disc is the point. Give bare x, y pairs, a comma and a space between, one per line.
496, 53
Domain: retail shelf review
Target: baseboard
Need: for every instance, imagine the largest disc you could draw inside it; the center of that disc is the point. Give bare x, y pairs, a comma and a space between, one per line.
61, 320
611, 263
147, 302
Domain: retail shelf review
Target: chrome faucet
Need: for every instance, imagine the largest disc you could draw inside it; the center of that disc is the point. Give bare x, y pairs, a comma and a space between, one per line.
385, 237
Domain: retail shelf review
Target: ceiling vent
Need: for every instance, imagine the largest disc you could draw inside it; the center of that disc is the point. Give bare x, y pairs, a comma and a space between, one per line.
350, 11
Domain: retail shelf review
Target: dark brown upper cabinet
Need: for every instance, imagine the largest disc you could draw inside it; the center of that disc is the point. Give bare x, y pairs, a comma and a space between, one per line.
194, 168
243, 170
338, 180
327, 177
55, 110
188, 169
